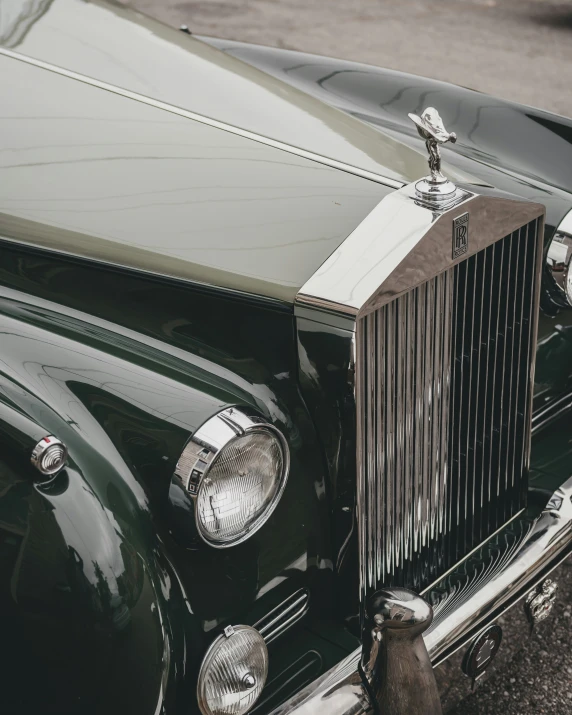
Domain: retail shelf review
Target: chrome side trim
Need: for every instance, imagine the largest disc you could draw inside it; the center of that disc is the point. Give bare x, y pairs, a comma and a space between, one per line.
552, 411
544, 544
327, 161
340, 691
401, 244
284, 616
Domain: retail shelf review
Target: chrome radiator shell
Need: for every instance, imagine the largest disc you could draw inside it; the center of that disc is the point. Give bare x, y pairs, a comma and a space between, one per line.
443, 409
401, 257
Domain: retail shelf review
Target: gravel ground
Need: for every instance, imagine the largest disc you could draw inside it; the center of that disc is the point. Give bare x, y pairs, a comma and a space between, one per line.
539, 678
518, 49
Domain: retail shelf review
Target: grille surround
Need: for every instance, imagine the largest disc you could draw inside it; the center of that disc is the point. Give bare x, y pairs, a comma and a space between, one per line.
404, 538
397, 247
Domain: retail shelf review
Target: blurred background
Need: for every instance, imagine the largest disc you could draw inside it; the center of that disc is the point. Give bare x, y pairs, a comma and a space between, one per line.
516, 49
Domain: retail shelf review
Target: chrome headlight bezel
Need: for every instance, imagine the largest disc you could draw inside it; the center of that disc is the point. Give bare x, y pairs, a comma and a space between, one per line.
559, 262
206, 447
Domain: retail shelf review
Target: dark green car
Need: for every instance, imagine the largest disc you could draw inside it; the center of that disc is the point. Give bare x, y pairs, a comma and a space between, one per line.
284, 425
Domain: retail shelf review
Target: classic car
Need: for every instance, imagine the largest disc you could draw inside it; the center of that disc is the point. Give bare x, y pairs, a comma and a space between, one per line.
285, 374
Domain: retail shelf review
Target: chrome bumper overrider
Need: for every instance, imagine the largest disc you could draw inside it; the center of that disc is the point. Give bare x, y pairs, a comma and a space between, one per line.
477, 592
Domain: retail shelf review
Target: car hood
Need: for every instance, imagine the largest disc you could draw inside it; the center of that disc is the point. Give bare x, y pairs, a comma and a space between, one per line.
129, 183
122, 47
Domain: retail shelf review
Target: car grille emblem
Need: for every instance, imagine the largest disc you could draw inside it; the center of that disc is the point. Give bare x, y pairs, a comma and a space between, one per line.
461, 235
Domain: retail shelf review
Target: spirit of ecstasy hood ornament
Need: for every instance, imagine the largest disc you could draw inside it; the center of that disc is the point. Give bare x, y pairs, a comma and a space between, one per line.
436, 187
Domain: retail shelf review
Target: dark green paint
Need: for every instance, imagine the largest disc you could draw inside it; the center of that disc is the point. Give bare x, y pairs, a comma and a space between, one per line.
552, 455
124, 385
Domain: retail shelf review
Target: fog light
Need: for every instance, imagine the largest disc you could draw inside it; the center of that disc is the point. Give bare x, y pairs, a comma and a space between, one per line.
233, 672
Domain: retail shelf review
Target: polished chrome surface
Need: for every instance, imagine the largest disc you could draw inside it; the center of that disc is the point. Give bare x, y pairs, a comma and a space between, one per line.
165, 106
517, 561
395, 660
340, 691
503, 571
540, 601
544, 416
558, 260
403, 405
49, 456
443, 405
401, 244
435, 188
284, 616
206, 446
399, 608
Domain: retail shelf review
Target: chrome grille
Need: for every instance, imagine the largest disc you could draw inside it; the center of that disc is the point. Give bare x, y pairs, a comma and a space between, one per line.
443, 404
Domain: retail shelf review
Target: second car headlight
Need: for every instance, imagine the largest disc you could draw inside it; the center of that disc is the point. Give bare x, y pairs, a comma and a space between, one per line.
559, 262
235, 467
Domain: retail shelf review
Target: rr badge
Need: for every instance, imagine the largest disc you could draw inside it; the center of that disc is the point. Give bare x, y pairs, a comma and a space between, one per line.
460, 235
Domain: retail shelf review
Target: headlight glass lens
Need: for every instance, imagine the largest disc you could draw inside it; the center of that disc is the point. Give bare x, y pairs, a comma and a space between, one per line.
241, 487
233, 672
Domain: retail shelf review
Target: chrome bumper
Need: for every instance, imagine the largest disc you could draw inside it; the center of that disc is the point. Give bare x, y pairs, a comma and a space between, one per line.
484, 595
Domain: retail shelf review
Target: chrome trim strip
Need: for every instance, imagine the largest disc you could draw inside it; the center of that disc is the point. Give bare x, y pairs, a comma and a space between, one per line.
545, 415
401, 244
284, 616
327, 161
546, 544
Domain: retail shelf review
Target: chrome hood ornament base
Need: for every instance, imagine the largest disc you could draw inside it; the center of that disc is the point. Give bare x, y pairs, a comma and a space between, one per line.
435, 188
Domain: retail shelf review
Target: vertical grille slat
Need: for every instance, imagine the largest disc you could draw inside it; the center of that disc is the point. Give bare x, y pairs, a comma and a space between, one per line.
530, 309
443, 412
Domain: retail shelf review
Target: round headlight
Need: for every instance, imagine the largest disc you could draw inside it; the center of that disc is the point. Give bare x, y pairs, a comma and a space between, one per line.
233, 672
241, 488
235, 467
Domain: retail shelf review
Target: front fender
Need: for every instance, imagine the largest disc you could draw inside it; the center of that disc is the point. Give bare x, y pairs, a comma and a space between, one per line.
92, 609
